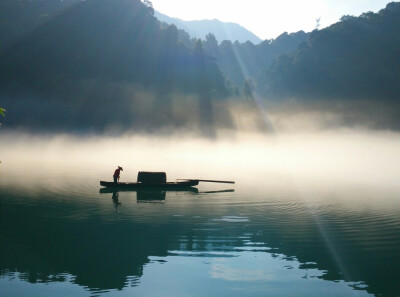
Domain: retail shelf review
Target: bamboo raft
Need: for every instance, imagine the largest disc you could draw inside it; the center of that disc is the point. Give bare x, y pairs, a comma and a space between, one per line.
158, 180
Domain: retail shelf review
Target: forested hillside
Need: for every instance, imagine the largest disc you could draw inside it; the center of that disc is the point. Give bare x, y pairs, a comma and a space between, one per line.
113, 40
110, 64
241, 62
116, 40
356, 58
97, 56
20, 17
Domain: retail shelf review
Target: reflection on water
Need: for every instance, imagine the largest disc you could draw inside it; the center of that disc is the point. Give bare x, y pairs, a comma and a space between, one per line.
61, 235
227, 241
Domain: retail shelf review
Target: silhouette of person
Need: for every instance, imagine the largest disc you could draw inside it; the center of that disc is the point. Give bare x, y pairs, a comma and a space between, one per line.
117, 174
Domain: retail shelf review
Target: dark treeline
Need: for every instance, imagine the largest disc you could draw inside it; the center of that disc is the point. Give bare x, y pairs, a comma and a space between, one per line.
99, 63
241, 62
102, 64
20, 17
112, 40
356, 58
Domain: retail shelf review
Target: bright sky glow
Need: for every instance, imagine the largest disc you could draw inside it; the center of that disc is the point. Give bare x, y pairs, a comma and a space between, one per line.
268, 19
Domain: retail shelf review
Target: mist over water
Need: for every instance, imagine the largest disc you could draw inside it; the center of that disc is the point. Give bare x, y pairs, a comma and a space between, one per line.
328, 158
309, 133
317, 210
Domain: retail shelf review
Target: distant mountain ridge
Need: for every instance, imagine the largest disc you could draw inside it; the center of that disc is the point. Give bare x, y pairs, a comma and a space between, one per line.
221, 30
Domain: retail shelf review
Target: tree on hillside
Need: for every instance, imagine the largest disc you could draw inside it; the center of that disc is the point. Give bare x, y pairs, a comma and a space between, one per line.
211, 45
248, 88
149, 5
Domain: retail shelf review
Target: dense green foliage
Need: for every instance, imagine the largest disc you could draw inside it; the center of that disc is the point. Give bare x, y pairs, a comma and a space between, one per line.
112, 40
356, 58
100, 56
243, 61
121, 40
110, 63
18, 18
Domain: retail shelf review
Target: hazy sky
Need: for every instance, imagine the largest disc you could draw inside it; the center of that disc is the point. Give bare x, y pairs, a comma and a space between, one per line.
266, 18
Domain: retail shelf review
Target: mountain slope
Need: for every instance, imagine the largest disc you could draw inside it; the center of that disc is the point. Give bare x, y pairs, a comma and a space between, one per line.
19, 18
221, 30
243, 61
115, 40
88, 66
357, 58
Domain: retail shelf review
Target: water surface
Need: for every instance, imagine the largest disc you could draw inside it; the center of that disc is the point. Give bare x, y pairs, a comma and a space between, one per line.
281, 232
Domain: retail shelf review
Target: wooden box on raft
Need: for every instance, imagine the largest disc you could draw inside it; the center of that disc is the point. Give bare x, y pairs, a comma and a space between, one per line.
152, 178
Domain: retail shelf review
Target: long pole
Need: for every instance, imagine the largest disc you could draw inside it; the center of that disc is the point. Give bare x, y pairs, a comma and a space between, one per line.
210, 181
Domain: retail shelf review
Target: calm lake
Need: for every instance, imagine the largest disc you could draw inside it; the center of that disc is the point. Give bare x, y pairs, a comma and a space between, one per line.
309, 215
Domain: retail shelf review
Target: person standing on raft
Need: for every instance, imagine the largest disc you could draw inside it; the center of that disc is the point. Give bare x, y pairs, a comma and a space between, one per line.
117, 173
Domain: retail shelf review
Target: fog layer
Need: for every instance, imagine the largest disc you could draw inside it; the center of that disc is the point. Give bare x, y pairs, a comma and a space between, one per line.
335, 158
